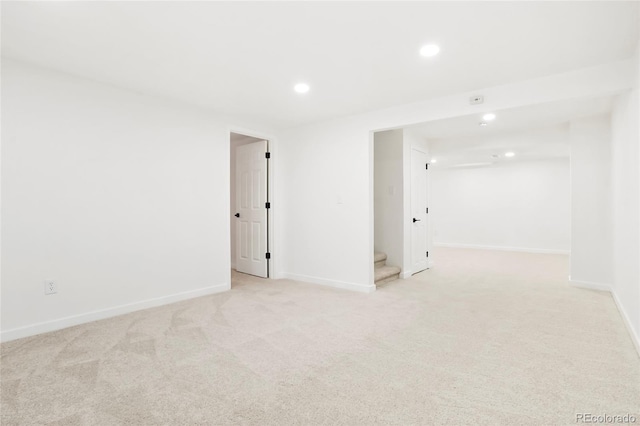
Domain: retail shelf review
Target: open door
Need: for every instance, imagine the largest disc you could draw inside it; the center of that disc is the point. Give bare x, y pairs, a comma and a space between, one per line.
419, 244
251, 209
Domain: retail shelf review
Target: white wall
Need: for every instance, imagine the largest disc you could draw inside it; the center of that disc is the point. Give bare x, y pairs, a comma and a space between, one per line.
591, 226
122, 198
326, 172
626, 210
119, 197
510, 206
389, 195
326, 197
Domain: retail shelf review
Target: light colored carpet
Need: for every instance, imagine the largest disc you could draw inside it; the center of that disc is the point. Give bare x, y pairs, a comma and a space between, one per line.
483, 338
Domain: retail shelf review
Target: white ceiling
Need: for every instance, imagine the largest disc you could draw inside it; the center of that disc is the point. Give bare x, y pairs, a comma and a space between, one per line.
531, 145
532, 132
244, 57
514, 119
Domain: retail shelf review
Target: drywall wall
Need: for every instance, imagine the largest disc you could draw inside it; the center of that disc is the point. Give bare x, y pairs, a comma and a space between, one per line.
389, 195
325, 172
591, 226
523, 205
326, 200
626, 211
118, 197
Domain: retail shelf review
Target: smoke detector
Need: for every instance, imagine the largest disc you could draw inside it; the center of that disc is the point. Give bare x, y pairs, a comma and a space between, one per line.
476, 100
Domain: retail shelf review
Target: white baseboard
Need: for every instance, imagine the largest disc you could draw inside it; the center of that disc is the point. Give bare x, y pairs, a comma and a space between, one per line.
625, 318
627, 322
363, 288
590, 285
405, 274
500, 248
57, 324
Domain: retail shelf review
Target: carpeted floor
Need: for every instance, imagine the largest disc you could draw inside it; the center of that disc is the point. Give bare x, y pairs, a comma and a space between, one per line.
485, 337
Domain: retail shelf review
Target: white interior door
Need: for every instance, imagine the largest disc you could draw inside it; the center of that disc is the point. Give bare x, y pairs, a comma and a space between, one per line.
251, 212
419, 246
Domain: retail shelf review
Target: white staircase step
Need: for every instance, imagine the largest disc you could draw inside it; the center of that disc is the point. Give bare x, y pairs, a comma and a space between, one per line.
385, 274
379, 259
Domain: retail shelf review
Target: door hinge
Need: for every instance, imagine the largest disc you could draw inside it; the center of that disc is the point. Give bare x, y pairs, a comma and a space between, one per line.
267, 205
427, 254
267, 255
427, 210
267, 155
427, 166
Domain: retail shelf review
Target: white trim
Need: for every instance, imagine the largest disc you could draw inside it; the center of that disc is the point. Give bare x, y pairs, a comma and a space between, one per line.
57, 324
405, 274
499, 248
627, 322
635, 339
274, 243
590, 285
363, 288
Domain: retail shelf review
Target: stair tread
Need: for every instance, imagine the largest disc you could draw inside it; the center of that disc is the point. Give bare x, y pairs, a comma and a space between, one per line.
386, 272
377, 257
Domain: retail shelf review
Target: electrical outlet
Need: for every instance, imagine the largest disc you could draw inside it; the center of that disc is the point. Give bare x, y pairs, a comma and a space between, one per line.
50, 287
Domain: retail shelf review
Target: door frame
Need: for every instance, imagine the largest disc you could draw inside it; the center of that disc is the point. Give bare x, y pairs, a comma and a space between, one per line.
273, 216
406, 266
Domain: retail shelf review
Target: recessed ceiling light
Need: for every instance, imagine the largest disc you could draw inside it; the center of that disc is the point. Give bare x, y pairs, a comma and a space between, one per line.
509, 154
301, 88
482, 123
434, 160
429, 50
489, 116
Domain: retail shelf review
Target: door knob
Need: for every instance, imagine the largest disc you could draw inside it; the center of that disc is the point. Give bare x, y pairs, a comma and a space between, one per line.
237, 215
415, 220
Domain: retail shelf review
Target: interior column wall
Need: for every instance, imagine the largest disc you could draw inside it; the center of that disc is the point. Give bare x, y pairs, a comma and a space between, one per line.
626, 204
591, 189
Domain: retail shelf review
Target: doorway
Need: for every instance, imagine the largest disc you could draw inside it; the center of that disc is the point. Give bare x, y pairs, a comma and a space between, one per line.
249, 205
400, 184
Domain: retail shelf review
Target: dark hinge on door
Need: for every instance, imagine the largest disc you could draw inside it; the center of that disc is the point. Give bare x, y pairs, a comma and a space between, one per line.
427, 166
267, 155
267, 255
427, 210
267, 205
427, 254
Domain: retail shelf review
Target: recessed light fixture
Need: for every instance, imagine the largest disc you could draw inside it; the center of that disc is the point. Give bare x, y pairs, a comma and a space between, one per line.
489, 116
434, 160
509, 154
301, 88
482, 123
429, 50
